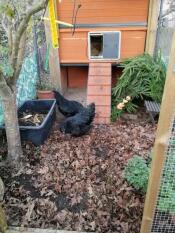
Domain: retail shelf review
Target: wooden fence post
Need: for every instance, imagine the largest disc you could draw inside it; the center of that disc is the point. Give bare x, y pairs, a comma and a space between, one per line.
54, 59
167, 113
153, 15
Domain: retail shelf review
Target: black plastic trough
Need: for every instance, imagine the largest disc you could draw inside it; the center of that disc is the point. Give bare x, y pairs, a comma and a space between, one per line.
38, 134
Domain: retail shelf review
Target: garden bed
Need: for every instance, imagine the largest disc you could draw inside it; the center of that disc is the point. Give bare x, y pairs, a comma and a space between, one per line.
77, 183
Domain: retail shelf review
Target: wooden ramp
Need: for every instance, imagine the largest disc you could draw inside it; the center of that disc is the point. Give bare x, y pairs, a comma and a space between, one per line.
99, 91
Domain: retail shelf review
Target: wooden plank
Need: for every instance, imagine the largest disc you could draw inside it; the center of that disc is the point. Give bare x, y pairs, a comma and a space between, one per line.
167, 113
105, 11
100, 93
53, 25
154, 6
94, 80
54, 63
77, 77
37, 230
99, 90
140, 28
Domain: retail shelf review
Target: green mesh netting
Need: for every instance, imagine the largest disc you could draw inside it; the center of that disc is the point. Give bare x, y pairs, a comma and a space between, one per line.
26, 84
46, 63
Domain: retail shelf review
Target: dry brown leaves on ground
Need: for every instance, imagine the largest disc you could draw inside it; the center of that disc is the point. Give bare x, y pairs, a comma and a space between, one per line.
78, 183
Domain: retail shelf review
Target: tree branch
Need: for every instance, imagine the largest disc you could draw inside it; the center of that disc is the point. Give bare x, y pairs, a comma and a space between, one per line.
169, 11
21, 54
10, 38
21, 29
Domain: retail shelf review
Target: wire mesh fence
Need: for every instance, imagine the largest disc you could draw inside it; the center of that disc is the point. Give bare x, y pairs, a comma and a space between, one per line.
166, 27
164, 210
164, 216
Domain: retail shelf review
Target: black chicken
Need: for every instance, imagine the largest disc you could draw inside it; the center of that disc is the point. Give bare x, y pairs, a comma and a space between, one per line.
79, 124
67, 107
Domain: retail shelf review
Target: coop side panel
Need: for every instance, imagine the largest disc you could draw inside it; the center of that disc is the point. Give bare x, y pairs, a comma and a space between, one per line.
77, 77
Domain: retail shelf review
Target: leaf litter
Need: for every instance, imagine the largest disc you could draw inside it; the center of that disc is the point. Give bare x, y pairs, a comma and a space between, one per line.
78, 183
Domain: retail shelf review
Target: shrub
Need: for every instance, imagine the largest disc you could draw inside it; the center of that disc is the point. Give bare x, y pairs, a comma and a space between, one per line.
137, 173
116, 113
45, 85
143, 76
123, 105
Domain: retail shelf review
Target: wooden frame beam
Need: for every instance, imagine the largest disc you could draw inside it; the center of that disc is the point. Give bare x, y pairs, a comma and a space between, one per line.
54, 62
154, 7
167, 113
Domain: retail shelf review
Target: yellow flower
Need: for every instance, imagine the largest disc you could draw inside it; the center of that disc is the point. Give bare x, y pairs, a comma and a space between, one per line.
125, 101
120, 106
128, 98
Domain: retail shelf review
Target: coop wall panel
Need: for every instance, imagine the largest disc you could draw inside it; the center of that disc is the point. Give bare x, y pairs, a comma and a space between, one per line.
74, 49
102, 11
77, 77
64, 78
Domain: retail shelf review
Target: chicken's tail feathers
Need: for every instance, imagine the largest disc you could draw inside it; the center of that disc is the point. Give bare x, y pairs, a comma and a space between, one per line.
91, 107
58, 96
91, 110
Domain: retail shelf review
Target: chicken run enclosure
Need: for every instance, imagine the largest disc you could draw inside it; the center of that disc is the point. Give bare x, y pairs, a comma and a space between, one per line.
159, 210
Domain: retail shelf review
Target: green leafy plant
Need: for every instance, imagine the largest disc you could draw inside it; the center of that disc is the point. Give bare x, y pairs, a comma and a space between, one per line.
116, 113
137, 173
45, 86
143, 76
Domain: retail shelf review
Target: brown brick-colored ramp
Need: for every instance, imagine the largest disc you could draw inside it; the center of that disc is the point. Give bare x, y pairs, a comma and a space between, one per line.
99, 90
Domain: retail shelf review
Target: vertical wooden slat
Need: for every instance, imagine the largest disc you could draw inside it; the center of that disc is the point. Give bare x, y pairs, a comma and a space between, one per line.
167, 112
54, 62
154, 6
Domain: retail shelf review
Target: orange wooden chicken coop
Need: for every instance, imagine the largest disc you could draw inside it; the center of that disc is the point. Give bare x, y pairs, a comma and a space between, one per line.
106, 31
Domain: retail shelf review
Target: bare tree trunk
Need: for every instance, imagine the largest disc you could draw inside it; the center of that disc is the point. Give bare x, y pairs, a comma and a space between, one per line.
12, 131
7, 84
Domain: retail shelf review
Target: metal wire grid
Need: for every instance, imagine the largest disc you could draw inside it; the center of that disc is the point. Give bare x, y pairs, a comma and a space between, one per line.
164, 216
166, 25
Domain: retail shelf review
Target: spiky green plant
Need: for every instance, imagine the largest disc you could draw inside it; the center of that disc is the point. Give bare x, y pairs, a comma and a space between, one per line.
143, 76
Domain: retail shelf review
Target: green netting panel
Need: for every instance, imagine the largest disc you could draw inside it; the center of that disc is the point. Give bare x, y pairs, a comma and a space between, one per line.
26, 84
1, 115
46, 63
